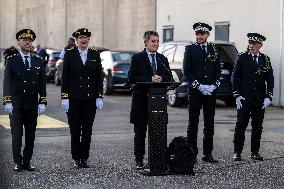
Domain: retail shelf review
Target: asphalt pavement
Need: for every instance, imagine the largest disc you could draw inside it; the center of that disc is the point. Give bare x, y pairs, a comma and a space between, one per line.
111, 154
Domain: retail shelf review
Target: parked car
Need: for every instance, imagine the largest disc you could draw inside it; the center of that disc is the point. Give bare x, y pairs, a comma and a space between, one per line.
116, 66
50, 66
59, 67
174, 51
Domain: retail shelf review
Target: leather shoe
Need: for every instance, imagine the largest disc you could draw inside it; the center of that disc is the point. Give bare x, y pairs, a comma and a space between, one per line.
84, 163
209, 158
139, 165
18, 168
237, 157
28, 167
77, 164
256, 156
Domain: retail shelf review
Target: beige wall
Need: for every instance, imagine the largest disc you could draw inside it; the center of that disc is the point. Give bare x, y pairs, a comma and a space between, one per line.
116, 24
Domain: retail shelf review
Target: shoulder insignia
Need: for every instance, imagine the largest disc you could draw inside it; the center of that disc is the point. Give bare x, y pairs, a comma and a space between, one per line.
38, 57
242, 53
93, 49
11, 56
70, 49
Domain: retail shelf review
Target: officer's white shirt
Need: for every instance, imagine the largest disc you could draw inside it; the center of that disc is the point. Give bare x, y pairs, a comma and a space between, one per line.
258, 54
150, 57
24, 59
205, 44
83, 55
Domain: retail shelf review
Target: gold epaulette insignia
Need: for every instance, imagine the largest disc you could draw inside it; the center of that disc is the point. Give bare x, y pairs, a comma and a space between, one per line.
7, 99
64, 95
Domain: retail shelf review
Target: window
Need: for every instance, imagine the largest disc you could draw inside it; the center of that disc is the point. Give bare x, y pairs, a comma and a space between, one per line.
168, 33
222, 31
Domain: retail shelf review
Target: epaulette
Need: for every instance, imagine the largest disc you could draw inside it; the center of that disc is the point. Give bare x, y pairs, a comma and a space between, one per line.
241, 53
93, 49
70, 49
11, 56
38, 57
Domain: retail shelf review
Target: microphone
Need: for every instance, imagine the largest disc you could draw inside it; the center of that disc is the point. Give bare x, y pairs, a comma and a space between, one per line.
169, 71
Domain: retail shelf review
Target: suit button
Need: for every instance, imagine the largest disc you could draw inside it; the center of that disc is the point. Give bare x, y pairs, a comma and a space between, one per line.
88, 85
88, 94
24, 91
80, 85
205, 76
88, 77
25, 81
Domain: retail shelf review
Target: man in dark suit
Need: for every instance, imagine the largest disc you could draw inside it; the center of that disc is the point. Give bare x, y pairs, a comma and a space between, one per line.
24, 97
81, 93
253, 83
42, 53
202, 68
146, 66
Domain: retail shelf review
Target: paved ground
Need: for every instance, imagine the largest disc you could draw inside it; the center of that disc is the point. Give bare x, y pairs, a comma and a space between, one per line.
111, 152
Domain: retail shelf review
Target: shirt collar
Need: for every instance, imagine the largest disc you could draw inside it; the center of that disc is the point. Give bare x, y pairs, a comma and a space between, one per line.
149, 53
204, 44
258, 54
83, 52
23, 55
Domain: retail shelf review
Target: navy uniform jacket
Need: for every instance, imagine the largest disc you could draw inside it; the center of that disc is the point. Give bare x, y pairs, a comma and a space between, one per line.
24, 87
141, 71
81, 81
253, 81
201, 68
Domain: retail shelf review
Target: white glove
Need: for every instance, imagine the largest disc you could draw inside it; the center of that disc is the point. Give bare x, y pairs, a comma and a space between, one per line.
266, 103
65, 105
239, 102
204, 89
211, 88
9, 107
41, 109
99, 103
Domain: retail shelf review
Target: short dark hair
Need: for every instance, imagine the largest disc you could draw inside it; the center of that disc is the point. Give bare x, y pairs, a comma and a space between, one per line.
71, 39
148, 34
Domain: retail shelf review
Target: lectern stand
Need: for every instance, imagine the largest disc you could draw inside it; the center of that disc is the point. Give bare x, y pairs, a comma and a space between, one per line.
157, 125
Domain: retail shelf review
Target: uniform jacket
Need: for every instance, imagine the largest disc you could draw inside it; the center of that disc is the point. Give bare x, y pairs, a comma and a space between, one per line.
141, 71
251, 80
24, 87
200, 67
81, 81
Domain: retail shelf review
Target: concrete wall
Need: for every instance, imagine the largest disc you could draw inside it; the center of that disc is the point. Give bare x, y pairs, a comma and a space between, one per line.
116, 24
262, 16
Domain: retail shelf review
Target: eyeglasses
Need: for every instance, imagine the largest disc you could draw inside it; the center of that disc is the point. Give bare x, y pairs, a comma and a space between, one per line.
84, 37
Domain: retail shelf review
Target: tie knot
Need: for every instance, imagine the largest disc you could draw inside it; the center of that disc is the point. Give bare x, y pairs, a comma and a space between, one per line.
153, 55
254, 57
26, 57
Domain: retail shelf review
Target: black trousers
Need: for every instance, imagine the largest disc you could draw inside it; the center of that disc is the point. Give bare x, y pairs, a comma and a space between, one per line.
81, 116
256, 113
19, 118
195, 102
139, 141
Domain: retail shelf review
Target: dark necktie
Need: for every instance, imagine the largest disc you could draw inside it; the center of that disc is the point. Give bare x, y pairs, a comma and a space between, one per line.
26, 61
153, 63
254, 59
204, 48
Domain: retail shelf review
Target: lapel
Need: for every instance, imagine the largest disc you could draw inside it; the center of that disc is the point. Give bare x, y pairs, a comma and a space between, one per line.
146, 60
20, 62
78, 58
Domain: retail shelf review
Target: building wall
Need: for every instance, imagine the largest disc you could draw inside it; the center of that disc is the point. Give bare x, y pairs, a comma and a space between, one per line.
262, 16
116, 24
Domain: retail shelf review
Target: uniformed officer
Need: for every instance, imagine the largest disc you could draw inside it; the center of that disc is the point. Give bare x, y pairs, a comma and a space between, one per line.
81, 92
146, 66
253, 84
202, 68
24, 97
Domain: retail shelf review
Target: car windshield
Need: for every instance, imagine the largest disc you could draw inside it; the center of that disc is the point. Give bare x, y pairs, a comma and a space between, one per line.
228, 53
122, 56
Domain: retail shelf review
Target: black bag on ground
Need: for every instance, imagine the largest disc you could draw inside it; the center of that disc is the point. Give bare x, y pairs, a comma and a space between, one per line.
181, 157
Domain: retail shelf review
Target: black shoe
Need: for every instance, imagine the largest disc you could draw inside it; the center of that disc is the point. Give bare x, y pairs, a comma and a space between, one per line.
209, 158
28, 167
139, 165
237, 157
18, 168
256, 156
77, 164
84, 163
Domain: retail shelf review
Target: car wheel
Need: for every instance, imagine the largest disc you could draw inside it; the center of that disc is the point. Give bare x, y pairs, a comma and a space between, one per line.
173, 99
106, 86
57, 79
230, 101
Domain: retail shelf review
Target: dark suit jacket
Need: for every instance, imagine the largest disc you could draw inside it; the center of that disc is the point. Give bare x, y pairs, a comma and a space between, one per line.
81, 81
199, 69
253, 81
22, 85
141, 71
